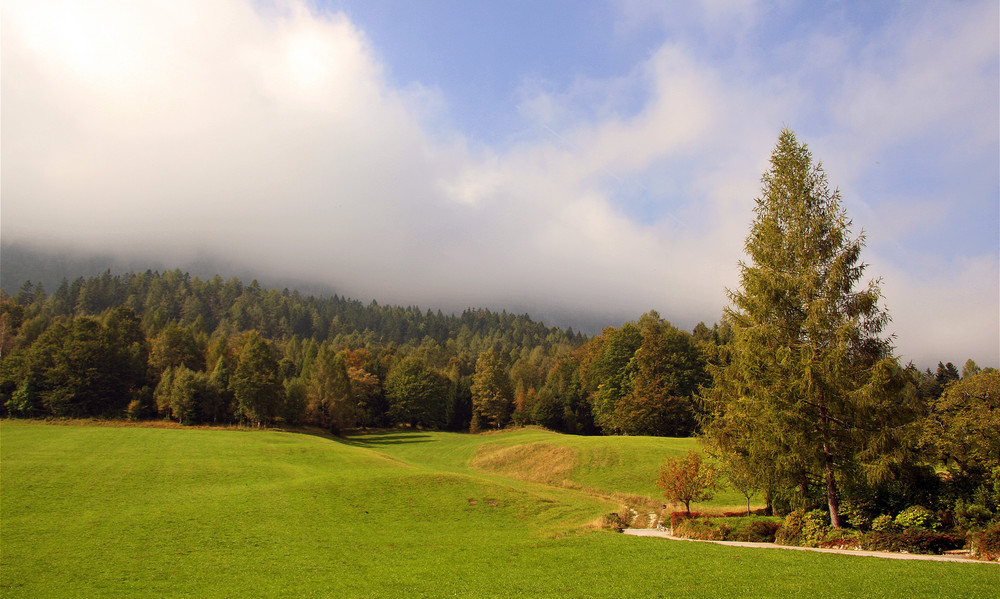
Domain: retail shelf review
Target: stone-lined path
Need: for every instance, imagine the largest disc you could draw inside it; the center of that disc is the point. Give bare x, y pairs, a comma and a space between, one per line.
653, 532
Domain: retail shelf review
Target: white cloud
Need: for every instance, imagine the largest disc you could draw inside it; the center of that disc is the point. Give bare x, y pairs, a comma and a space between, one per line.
268, 134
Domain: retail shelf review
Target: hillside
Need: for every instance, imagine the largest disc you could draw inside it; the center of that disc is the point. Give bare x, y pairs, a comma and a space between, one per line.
113, 511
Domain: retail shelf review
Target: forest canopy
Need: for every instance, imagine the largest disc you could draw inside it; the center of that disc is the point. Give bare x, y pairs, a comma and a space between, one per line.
169, 345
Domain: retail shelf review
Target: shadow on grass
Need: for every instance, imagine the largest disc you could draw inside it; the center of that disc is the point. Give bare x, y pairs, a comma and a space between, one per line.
387, 438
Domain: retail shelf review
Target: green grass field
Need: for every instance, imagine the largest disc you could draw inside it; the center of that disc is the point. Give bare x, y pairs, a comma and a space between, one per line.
98, 511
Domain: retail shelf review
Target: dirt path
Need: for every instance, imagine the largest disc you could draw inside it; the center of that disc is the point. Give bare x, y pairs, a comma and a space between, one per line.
652, 532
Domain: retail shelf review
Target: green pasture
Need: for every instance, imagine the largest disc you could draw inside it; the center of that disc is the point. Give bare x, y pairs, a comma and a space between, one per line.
97, 511
609, 464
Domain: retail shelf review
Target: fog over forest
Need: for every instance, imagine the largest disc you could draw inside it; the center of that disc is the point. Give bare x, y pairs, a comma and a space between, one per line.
585, 177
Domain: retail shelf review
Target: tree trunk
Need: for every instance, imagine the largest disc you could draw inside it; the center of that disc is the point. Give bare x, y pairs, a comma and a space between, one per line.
831, 483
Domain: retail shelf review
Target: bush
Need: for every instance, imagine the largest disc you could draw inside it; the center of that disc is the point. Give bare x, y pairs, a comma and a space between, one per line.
841, 538
912, 541
613, 520
916, 517
814, 527
971, 515
883, 523
762, 531
744, 528
791, 529
857, 513
985, 544
678, 517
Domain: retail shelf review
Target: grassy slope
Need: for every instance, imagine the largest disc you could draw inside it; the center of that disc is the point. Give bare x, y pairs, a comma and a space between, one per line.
99, 511
610, 464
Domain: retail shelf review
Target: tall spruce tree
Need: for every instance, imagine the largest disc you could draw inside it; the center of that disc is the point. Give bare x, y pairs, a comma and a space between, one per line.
809, 389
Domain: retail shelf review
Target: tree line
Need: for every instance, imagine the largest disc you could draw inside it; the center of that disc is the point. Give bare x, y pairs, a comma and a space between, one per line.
169, 345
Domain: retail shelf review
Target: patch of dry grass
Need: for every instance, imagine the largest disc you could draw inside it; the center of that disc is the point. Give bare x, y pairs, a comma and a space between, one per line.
535, 462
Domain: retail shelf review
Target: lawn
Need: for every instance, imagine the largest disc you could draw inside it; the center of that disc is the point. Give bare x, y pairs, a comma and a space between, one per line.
88, 511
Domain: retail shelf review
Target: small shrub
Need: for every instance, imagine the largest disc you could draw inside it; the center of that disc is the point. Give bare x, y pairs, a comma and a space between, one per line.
916, 517
742, 528
762, 531
612, 520
678, 517
883, 523
696, 528
985, 544
791, 529
841, 538
971, 515
911, 541
814, 527
857, 513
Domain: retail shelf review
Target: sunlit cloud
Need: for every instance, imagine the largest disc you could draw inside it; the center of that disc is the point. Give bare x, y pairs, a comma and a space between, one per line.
268, 135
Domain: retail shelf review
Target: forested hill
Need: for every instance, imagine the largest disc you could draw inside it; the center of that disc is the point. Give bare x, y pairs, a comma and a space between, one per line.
170, 345
227, 307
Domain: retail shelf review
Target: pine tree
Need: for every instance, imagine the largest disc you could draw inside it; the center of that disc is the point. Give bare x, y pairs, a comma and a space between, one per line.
809, 387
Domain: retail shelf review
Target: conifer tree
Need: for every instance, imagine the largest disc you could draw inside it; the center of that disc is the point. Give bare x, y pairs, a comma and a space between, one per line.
809, 386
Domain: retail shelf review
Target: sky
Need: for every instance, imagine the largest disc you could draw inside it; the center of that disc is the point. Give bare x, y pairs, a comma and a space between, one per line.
584, 161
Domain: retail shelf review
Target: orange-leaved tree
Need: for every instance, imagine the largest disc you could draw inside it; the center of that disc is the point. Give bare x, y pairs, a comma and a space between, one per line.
688, 479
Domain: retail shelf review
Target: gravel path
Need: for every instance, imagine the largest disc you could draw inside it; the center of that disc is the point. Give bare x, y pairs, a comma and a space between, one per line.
652, 532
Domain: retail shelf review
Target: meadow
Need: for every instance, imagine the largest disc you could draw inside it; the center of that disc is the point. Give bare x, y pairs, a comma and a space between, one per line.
103, 511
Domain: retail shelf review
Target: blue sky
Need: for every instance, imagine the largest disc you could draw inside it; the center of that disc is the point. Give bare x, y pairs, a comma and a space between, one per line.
582, 161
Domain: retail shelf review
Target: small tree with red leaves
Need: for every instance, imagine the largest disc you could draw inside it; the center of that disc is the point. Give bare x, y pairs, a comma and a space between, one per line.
687, 479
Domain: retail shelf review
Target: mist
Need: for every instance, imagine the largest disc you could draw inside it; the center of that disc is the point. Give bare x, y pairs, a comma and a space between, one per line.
269, 138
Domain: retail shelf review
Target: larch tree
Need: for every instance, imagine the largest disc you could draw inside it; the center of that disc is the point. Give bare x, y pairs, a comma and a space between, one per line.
809, 386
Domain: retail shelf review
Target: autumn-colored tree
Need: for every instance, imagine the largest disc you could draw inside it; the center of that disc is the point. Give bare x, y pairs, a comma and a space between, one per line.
331, 402
687, 479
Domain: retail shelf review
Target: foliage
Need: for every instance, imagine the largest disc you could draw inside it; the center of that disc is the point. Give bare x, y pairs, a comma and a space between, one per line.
916, 517
985, 544
416, 393
963, 431
687, 479
256, 383
664, 372
808, 387
883, 523
492, 394
751, 529
911, 541
329, 394
641, 378
971, 515
857, 513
